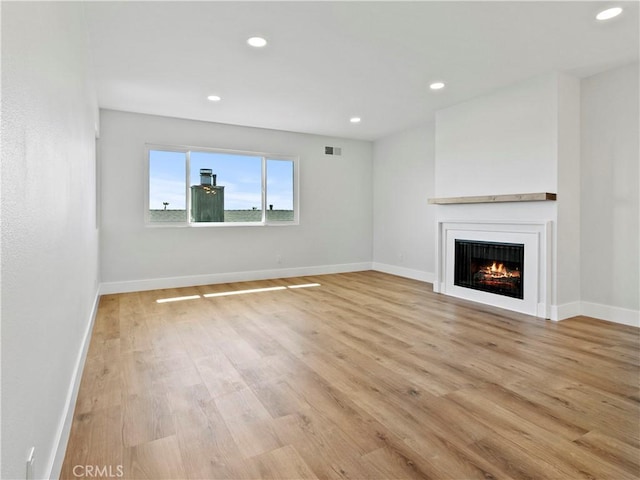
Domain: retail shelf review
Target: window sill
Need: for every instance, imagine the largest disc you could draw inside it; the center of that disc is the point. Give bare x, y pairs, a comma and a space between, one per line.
220, 224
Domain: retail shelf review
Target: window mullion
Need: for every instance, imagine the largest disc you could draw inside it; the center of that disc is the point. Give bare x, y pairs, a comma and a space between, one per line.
264, 189
188, 187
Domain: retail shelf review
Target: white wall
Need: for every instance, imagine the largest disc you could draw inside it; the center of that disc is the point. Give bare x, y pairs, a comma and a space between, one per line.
49, 237
335, 209
609, 182
501, 143
568, 190
403, 222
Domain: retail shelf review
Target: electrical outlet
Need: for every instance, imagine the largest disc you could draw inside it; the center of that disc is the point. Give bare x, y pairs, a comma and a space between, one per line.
30, 463
278, 259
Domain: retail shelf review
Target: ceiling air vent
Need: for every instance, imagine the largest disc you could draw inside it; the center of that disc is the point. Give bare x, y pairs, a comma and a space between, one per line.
332, 150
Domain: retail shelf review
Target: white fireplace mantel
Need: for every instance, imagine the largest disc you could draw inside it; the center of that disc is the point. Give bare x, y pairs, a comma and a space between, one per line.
536, 237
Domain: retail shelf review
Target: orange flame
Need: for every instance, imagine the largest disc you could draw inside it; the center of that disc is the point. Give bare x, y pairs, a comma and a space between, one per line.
499, 270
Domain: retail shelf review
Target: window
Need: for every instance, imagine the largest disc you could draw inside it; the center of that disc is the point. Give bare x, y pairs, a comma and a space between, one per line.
212, 187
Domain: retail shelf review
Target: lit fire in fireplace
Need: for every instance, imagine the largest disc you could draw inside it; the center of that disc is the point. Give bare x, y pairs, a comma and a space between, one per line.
497, 275
498, 270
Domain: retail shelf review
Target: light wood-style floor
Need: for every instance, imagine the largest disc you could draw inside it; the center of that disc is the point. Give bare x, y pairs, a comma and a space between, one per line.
367, 375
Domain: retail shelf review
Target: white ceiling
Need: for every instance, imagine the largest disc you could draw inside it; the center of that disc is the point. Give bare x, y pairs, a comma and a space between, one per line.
329, 61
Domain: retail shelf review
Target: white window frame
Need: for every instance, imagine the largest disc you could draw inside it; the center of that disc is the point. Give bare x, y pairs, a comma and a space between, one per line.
187, 222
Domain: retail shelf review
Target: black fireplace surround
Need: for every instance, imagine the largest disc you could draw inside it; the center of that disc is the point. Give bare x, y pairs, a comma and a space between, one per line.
490, 267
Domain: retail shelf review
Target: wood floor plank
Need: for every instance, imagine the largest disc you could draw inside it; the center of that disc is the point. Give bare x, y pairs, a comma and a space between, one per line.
249, 422
146, 417
102, 379
205, 443
390, 464
137, 371
612, 450
279, 397
284, 462
156, 460
519, 435
362, 375
512, 459
205, 453
575, 413
533, 412
327, 451
95, 440
219, 375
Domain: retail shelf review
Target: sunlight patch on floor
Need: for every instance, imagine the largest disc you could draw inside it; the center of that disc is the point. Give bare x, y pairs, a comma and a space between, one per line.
235, 292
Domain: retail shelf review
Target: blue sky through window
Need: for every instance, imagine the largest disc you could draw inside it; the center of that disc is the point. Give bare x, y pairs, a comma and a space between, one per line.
167, 172
280, 184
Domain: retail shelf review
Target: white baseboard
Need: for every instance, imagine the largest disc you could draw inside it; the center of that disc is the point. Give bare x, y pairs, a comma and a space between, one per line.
623, 316
54, 465
209, 279
564, 311
609, 313
428, 277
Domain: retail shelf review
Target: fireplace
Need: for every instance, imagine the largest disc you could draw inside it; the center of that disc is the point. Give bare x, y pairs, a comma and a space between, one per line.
492, 267
503, 264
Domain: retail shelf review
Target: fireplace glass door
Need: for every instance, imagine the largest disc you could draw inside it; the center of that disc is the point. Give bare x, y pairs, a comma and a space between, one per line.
490, 266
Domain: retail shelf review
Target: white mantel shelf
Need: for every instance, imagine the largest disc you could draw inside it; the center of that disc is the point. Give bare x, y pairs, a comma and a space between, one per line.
515, 197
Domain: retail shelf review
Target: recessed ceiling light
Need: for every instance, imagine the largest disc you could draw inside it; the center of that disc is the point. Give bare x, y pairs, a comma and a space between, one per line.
436, 86
355, 119
609, 13
257, 42
214, 98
